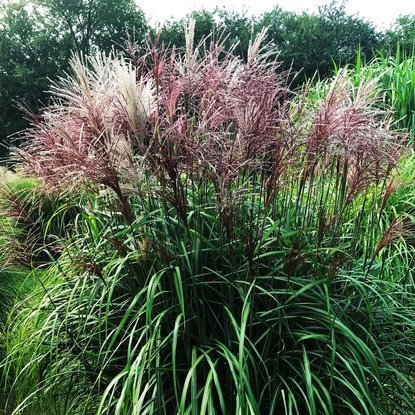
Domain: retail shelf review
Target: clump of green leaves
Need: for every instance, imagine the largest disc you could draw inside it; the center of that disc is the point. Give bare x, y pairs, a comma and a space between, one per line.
237, 256
395, 81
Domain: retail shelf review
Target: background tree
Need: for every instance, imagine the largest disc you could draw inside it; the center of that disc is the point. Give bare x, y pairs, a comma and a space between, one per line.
173, 31
313, 42
401, 33
308, 42
31, 51
235, 29
38, 38
238, 30
96, 24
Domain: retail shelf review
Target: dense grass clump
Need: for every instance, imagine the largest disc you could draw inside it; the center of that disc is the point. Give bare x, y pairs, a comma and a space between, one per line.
31, 222
238, 251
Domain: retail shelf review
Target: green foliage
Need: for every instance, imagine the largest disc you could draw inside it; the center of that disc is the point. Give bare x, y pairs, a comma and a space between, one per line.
94, 25
11, 281
32, 219
12, 274
30, 52
401, 34
394, 77
38, 38
234, 29
398, 83
162, 317
312, 42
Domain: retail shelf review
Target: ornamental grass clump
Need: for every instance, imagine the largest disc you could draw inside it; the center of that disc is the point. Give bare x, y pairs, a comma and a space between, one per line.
237, 252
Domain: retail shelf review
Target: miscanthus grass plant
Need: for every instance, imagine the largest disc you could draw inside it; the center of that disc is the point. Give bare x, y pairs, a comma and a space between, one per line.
241, 250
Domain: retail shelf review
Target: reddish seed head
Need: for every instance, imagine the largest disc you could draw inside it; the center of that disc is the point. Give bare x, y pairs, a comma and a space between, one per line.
207, 116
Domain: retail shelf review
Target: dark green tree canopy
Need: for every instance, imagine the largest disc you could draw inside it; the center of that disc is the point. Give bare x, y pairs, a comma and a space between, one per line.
235, 29
31, 51
402, 33
313, 42
96, 24
38, 38
306, 42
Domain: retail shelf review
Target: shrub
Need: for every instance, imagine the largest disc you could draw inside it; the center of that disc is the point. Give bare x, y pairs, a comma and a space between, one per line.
235, 255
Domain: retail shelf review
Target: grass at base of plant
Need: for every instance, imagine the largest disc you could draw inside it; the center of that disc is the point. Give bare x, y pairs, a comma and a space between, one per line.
314, 340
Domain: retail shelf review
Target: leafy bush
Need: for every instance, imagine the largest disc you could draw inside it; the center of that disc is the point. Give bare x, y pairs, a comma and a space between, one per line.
237, 255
